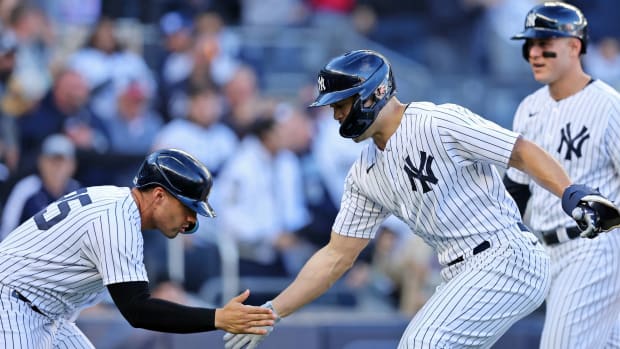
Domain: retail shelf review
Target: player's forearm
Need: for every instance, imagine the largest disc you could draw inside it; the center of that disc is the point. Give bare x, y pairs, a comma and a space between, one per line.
320, 272
540, 166
142, 311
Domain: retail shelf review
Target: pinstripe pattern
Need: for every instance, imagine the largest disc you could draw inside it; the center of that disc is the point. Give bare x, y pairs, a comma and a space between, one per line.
584, 302
483, 296
596, 107
469, 204
65, 268
21, 327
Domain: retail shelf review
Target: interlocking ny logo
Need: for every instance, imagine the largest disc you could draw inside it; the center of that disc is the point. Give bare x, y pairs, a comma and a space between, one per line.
418, 172
321, 83
573, 144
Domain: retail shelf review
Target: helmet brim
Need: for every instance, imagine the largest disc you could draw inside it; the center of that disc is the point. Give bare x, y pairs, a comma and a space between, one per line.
540, 33
328, 98
200, 207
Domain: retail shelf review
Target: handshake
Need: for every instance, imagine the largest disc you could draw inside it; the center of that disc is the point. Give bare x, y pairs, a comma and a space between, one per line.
238, 341
592, 212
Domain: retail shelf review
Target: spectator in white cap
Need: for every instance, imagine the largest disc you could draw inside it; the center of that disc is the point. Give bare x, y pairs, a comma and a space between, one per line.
54, 178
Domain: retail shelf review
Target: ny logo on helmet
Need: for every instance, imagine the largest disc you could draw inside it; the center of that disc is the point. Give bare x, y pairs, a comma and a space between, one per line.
530, 21
321, 83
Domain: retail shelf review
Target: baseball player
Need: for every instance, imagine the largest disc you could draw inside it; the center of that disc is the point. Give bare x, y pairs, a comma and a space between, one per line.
62, 259
576, 118
433, 166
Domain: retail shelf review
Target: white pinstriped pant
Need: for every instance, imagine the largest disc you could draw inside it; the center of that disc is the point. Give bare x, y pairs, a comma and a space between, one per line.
22, 327
482, 296
583, 306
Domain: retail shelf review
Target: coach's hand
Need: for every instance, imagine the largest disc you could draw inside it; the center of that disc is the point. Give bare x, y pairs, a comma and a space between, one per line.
238, 341
237, 317
590, 209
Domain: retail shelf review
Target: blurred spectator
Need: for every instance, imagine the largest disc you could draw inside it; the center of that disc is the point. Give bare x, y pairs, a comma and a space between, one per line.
68, 13
9, 151
108, 67
221, 45
211, 59
298, 130
55, 167
35, 38
63, 109
132, 131
134, 125
202, 132
272, 12
177, 63
242, 100
260, 197
603, 61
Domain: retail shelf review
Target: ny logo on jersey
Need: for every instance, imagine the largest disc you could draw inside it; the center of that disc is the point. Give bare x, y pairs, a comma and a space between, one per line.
573, 144
418, 172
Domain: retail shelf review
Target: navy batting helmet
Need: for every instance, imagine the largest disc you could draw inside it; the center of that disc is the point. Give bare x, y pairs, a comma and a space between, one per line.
181, 175
554, 20
363, 73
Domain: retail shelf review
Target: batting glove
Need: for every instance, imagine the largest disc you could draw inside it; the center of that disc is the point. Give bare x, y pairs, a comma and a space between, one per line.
588, 221
590, 209
238, 341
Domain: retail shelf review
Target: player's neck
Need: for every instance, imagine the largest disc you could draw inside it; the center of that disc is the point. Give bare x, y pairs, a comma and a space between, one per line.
569, 85
391, 116
138, 198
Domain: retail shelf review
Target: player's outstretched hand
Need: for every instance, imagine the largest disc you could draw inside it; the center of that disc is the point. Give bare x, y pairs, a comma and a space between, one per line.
236, 317
238, 341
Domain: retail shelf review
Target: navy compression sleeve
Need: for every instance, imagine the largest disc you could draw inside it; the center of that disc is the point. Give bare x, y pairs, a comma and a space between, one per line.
140, 310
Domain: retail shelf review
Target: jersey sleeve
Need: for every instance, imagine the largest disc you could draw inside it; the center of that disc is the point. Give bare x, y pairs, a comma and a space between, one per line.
359, 216
514, 174
115, 245
469, 138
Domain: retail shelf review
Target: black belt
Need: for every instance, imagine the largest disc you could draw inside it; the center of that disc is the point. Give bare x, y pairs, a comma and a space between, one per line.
483, 246
27, 301
551, 237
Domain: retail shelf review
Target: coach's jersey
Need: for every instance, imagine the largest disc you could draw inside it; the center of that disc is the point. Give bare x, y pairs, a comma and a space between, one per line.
437, 174
62, 257
583, 133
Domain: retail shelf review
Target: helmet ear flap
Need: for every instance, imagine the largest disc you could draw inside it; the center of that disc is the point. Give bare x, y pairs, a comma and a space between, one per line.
525, 50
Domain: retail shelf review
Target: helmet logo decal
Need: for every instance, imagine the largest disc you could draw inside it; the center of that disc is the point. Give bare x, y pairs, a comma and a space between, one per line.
530, 21
321, 83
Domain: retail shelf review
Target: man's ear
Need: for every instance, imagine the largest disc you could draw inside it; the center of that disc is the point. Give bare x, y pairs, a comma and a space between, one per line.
159, 194
575, 45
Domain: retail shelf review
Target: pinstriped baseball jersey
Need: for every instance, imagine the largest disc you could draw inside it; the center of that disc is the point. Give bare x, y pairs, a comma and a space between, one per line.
62, 258
582, 132
437, 173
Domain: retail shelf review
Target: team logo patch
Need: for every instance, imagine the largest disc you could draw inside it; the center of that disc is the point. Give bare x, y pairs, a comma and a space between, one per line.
321, 83
426, 163
573, 143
